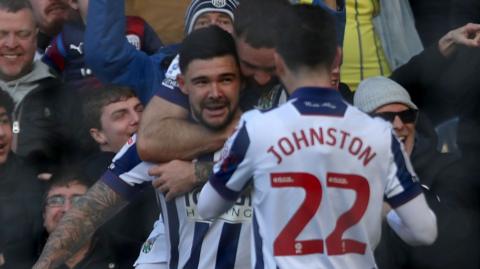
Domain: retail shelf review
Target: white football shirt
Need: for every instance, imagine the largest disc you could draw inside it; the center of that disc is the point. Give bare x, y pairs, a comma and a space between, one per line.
191, 242
321, 170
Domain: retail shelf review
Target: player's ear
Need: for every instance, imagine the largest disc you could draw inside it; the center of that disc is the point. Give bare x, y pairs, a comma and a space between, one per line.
337, 62
181, 83
280, 66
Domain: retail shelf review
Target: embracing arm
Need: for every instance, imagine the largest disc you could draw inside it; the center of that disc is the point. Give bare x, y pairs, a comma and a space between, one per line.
165, 134
78, 225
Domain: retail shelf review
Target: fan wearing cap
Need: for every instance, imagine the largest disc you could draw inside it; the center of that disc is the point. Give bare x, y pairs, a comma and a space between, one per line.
384, 98
442, 185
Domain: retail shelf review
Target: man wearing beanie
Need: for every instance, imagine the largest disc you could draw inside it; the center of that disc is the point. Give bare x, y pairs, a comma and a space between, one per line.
383, 97
113, 60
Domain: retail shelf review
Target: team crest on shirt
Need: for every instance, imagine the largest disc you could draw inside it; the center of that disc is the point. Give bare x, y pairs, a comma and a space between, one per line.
134, 40
219, 3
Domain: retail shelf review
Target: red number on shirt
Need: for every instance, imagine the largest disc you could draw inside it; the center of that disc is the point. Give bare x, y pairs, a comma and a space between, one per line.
286, 243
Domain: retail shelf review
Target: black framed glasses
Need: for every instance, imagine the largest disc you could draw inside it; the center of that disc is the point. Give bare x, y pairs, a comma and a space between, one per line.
59, 200
407, 116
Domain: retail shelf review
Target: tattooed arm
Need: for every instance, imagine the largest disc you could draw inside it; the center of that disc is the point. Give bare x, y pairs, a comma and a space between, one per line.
79, 223
203, 170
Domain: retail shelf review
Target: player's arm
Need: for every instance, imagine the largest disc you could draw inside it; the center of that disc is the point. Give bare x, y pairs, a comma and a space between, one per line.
414, 222
211, 204
230, 176
98, 205
411, 218
166, 134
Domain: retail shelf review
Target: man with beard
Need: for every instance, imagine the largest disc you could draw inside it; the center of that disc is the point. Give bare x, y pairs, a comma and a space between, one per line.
211, 78
157, 142
50, 16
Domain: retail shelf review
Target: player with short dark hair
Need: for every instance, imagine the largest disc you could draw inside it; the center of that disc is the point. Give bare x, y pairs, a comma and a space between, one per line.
333, 162
212, 81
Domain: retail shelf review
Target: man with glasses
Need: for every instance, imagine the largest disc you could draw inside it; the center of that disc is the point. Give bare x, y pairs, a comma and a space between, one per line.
66, 189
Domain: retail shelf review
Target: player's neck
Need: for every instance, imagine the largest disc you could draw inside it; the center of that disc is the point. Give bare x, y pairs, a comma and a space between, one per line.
312, 81
305, 77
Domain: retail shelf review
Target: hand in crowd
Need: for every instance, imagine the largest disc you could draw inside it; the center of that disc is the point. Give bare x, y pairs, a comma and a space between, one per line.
173, 178
467, 35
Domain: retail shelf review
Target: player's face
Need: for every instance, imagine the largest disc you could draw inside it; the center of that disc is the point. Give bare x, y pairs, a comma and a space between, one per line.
5, 135
219, 19
404, 130
213, 87
258, 64
58, 201
18, 42
119, 122
50, 14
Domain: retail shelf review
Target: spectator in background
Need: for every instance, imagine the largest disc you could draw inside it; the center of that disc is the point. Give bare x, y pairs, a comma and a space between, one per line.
111, 117
444, 81
20, 199
50, 16
363, 55
66, 51
384, 98
65, 189
113, 60
44, 113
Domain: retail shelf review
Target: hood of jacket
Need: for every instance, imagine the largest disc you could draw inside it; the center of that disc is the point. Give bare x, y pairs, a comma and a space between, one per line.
20, 87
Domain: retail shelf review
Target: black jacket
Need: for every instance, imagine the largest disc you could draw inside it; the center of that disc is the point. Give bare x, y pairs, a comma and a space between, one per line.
20, 213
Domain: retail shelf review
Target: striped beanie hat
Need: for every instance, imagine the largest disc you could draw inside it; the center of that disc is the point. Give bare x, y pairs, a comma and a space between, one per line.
198, 7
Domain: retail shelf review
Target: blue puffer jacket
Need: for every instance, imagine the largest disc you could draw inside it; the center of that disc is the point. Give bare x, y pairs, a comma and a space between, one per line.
113, 60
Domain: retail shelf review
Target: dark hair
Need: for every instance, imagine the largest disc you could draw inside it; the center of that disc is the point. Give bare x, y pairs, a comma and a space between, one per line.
97, 99
14, 6
308, 37
256, 21
206, 43
7, 103
65, 176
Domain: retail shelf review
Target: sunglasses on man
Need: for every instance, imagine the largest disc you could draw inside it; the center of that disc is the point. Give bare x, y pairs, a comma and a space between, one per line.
407, 116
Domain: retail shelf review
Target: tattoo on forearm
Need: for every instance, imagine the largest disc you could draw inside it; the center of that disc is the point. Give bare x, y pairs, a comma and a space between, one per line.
77, 226
203, 170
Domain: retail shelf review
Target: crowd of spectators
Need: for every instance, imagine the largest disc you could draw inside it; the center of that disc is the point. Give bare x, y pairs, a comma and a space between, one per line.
76, 76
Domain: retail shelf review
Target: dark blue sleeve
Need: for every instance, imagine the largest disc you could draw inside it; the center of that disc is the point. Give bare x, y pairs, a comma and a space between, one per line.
152, 42
174, 95
111, 58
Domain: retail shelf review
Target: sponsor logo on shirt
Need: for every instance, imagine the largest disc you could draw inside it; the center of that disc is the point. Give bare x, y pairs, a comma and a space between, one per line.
240, 212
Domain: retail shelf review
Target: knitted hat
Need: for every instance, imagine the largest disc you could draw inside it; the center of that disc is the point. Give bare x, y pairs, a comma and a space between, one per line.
375, 92
198, 7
